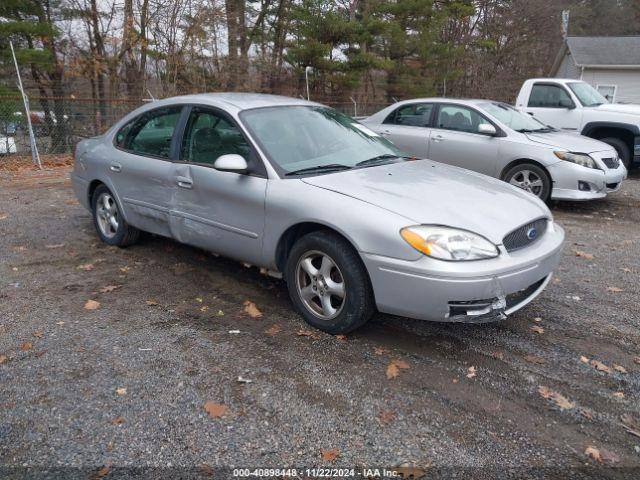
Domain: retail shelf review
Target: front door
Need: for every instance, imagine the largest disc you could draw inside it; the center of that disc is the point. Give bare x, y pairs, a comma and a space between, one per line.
219, 211
553, 105
455, 140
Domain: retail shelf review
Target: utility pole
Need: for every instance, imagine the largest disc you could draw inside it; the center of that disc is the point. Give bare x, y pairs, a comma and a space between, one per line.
32, 138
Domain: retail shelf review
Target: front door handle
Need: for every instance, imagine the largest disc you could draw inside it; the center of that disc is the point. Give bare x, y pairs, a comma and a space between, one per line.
115, 167
184, 182
438, 138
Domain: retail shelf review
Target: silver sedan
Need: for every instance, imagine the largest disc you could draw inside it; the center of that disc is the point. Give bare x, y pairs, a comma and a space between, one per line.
309, 194
496, 139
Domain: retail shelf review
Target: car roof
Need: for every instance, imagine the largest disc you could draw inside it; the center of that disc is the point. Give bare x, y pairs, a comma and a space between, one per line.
237, 100
461, 101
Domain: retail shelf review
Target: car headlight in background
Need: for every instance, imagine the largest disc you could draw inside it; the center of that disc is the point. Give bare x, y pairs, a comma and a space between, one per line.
446, 243
578, 158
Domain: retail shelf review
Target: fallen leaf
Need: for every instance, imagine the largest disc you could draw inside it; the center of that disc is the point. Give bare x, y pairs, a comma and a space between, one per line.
498, 355
56, 245
619, 368
386, 416
537, 329
204, 308
380, 351
220, 313
125, 269
3, 358
38, 334
215, 410
614, 289
618, 394
584, 359
471, 372
151, 303
103, 471
409, 470
87, 267
118, 421
273, 330
342, 338
586, 413
537, 319
600, 366
329, 455
199, 300
91, 305
630, 424
26, 346
593, 453
251, 309
534, 359
309, 333
393, 369
109, 288
608, 456
3, 216
121, 391
560, 400
241, 379
582, 254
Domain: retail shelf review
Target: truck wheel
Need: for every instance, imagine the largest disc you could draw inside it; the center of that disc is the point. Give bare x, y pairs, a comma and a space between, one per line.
530, 177
622, 148
328, 283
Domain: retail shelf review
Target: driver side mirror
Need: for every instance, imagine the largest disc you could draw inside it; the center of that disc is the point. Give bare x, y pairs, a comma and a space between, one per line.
487, 129
231, 162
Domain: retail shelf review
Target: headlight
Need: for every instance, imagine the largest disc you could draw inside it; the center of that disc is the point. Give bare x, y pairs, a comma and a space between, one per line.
446, 243
578, 158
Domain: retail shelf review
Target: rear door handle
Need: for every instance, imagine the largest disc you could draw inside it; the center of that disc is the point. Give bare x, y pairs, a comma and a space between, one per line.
438, 138
115, 167
184, 182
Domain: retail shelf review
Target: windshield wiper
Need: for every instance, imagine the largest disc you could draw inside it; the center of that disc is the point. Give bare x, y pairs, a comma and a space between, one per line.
379, 160
537, 130
332, 167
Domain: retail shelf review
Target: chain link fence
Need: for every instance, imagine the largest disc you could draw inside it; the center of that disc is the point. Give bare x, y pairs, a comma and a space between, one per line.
59, 123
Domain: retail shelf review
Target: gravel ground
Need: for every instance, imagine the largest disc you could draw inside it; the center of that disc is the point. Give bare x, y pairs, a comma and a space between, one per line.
92, 392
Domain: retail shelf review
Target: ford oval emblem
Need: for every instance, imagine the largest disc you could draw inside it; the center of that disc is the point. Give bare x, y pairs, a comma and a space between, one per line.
532, 233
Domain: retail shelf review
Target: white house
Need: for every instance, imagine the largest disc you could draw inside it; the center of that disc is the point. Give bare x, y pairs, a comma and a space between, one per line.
610, 64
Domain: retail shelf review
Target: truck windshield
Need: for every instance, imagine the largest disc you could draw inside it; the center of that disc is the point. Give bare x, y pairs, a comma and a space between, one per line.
514, 119
588, 96
315, 139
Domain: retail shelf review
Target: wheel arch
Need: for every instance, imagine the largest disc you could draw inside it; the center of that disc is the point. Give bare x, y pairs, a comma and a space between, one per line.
622, 131
522, 161
95, 183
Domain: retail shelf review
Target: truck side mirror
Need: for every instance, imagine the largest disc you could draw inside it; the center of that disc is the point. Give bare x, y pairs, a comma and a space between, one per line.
567, 103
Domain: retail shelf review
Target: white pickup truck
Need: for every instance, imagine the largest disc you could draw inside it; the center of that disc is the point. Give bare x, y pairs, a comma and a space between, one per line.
575, 105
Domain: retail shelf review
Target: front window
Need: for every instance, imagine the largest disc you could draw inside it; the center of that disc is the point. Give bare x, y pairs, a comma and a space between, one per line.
305, 137
588, 96
512, 118
459, 118
544, 95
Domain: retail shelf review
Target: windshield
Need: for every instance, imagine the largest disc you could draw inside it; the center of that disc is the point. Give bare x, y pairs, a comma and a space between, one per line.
512, 118
588, 96
307, 137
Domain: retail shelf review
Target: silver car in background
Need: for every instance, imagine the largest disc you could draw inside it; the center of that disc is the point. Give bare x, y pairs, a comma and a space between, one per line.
498, 140
304, 191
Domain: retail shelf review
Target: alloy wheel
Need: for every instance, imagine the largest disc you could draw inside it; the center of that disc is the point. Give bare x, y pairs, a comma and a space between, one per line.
529, 181
320, 285
107, 215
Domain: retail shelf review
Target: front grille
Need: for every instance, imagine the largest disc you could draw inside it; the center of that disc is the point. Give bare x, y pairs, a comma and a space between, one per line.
525, 235
611, 162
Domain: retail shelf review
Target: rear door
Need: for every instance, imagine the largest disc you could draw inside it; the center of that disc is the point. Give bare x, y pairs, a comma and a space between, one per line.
408, 127
141, 170
219, 211
554, 105
455, 140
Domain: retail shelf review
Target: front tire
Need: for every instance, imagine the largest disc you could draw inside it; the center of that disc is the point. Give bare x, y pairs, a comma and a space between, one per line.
531, 178
108, 220
328, 283
621, 147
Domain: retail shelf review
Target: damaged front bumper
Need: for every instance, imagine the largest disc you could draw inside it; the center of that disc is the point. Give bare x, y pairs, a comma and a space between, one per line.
475, 292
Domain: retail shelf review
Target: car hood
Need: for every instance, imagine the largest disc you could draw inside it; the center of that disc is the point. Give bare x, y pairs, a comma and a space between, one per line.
631, 109
427, 192
573, 142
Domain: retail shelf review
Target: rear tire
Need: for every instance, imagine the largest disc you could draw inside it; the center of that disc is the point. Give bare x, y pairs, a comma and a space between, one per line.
111, 226
621, 147
530, 177
328, 283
